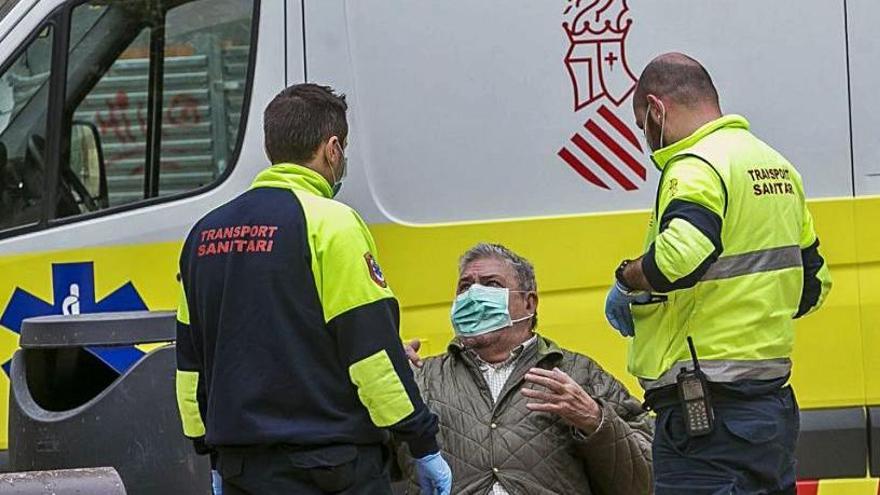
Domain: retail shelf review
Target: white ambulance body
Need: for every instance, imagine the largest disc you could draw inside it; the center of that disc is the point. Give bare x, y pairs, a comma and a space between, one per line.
505, 121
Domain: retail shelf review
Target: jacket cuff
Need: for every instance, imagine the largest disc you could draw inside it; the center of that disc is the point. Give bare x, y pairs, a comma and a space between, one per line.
420, 447
201, 446
656, 279
581, 436
602, 431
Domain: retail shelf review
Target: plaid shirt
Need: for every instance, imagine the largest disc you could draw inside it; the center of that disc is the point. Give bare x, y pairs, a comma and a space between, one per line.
496, 376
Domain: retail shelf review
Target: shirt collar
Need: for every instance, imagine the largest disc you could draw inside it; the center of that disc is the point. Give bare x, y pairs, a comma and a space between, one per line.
293, 176
663, 155
514, 354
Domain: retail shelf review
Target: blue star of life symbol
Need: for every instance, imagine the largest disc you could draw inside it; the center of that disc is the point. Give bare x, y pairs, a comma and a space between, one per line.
73, 287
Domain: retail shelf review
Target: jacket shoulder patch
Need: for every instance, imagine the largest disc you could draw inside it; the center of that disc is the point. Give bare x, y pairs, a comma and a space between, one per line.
375, 271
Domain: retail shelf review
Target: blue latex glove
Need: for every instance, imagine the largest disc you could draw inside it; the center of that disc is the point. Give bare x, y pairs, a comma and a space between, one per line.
216, 482
617, 308
435, 477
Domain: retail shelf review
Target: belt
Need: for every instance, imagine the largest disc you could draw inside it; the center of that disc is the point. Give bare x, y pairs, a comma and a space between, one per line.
660, 398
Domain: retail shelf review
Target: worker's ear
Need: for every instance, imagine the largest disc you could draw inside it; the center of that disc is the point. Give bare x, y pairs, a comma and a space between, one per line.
327, 150
333, 150
656, 108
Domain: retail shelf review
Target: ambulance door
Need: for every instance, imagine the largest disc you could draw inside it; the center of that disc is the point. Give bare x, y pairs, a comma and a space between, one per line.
120, 124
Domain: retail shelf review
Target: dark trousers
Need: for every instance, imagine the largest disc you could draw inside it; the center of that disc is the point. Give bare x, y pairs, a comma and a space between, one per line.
342, 469
750, 451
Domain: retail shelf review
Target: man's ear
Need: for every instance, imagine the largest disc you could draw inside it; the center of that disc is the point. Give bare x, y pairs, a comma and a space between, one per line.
532, 302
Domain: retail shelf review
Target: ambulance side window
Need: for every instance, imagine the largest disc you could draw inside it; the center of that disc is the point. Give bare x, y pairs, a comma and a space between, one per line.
116, 106
24, 94
154, 99
207, 47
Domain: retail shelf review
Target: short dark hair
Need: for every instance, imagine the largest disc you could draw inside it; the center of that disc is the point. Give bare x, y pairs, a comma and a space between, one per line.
678, 77
300, 118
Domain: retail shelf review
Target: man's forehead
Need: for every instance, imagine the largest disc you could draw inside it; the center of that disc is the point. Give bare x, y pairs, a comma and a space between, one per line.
486, 267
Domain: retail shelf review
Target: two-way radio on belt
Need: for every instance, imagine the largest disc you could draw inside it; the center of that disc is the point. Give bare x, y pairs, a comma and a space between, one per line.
693, 391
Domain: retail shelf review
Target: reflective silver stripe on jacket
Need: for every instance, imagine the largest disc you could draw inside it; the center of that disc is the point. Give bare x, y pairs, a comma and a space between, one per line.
723, 370
765, 260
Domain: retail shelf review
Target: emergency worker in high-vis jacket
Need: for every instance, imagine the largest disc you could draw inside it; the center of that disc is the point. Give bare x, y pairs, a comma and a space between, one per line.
731, 259
290, 365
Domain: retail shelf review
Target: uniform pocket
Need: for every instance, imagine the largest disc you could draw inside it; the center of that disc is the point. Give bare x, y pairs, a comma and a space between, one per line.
755, 431
334, 478
332, 469
694, 485
671, 426
650, 315
229, 464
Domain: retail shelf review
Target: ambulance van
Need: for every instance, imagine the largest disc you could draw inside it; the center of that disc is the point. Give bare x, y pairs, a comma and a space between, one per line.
124, 121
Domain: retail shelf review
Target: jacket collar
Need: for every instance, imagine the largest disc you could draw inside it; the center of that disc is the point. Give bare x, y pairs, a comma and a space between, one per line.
662, 156
544, 348
292, 176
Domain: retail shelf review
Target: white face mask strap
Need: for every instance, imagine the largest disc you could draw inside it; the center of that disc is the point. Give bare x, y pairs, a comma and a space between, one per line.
524, 318
333, 172
509, 291
662, 123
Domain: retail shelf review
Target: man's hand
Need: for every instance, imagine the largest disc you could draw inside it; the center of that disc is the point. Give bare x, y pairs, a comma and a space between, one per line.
412, 352
564, 397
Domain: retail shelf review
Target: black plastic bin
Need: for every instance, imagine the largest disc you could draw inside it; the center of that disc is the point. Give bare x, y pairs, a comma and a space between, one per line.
68, 409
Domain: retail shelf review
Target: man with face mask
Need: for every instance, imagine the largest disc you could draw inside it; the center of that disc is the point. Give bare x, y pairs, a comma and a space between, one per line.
731, 259
290, 366
518, 414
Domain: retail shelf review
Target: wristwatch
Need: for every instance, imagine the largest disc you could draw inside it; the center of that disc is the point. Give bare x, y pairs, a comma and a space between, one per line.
618, 274
621, 281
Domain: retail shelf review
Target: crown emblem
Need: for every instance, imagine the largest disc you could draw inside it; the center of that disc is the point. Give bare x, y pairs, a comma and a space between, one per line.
598, 21
596, 59
604, 151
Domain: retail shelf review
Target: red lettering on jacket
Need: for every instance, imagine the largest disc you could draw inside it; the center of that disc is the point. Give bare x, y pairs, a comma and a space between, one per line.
236, 239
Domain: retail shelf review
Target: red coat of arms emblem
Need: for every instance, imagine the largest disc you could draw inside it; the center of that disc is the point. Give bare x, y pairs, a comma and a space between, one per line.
606, 150
596, 59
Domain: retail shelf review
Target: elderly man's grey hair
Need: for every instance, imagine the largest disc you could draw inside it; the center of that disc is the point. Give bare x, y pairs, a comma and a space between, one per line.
525, 272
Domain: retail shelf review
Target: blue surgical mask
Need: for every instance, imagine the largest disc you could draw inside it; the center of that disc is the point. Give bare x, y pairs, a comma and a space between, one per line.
482, 309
